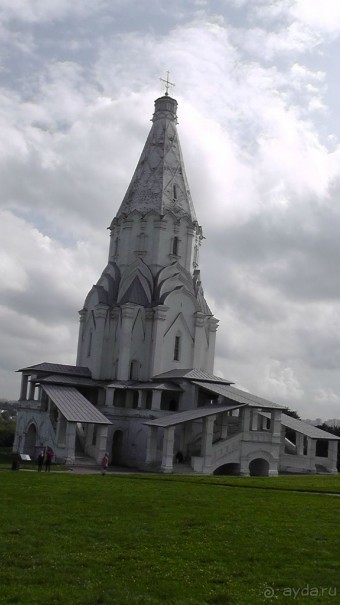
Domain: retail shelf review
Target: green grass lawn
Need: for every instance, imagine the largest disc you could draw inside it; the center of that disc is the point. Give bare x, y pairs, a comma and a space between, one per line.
91, 540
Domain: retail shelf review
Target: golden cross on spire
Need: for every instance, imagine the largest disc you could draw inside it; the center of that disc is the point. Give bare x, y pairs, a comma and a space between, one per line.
167, 83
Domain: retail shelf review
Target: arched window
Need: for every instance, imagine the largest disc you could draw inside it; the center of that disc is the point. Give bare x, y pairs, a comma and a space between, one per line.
116, 246
134, 369
175, 243
177, 348
89, 345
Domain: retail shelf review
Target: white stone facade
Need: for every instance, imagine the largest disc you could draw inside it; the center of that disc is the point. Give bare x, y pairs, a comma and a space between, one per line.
143, 388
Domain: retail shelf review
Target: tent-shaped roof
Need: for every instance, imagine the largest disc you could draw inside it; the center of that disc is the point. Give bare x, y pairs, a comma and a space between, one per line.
73, 405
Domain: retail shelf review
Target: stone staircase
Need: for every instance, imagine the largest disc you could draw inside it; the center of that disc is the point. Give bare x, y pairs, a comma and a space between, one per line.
84, 461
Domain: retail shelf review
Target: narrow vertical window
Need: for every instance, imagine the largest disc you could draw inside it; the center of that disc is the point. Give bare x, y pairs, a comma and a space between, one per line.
174, 192
89, 346
116, 246
175, 246
177, 348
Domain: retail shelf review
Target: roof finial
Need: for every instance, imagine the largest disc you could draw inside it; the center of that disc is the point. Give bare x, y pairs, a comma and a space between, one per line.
167, 83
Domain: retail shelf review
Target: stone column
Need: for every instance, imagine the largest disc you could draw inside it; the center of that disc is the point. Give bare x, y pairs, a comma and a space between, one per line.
128, 313
299, 444
311, 453
156, 400
199, 348
147, 360
168, 449
110, 395
100, 313
70, 441
141, 399
254, 419
31, 391
23, 389
160, 313
245, 420
151, 444
82, 320
101, 444
332, 455
188, 252
276, 423
213, 325
207, 439
224, 427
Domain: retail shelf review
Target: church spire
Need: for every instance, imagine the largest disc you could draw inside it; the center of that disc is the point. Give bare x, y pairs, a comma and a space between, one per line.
159, 182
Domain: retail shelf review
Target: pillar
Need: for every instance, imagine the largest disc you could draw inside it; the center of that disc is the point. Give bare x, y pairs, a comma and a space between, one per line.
156, 400
82, 320
200, 336
254, 419
213, 325
70, 441
276, 423
23, 388
224, 427
332, 455
245, 420
168, 449
128, 313
299, 444
207, 439
151, 444
311, 453
101, 443
109, 399
160, 313
141, 399
100, 313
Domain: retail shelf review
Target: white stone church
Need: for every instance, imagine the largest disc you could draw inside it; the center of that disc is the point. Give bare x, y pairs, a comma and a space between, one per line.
143, 388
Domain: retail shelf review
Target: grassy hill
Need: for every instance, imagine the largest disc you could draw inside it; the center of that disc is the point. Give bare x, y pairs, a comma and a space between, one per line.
147, 539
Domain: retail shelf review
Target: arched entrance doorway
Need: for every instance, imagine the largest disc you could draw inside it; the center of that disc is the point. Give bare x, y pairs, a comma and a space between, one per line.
259, 467
117, 445
30, 440
233, 468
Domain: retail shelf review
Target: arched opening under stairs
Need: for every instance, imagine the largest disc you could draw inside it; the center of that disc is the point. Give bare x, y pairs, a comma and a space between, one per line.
117, 447
259, 467
30, 440
232, 468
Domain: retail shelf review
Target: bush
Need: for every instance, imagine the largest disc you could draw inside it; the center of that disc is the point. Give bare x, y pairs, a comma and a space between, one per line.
7, 431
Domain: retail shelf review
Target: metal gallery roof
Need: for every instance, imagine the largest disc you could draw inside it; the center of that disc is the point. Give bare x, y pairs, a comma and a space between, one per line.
73, 405
156, 386
306, 429
188, 415
192, 374
236, 395
58, 368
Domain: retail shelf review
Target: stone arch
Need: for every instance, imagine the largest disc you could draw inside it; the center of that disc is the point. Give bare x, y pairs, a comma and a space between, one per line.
117, 447
231, 468
259, 467
30, 440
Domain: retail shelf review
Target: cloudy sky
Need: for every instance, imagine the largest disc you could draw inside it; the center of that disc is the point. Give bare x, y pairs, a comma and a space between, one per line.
258, 87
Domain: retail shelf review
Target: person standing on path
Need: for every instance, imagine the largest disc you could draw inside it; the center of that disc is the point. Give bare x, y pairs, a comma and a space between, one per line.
41, 460
105, 463
48, 461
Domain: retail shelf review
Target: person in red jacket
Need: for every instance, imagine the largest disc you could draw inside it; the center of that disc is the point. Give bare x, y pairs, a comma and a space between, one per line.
105, 463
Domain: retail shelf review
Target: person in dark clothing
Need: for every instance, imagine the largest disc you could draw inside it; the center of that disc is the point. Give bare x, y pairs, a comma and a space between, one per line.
41, 460
179, 457
48, 460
